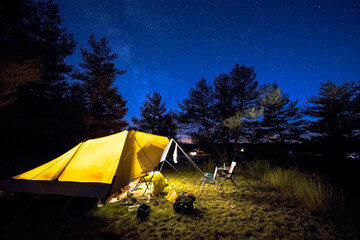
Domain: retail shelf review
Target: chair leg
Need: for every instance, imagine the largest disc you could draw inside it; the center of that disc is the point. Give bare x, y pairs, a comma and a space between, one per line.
201, 187
137, 185
232, 180
147, 187
218, 190
222, 181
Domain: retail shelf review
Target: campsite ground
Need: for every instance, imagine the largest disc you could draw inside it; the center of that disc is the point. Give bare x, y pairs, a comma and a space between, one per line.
256, 211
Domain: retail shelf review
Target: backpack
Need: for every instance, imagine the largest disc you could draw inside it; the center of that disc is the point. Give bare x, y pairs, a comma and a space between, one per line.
184, 203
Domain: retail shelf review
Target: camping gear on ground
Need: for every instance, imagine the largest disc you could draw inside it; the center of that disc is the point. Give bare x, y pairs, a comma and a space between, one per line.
143, 211
133, 208
171, 196
184, 203
94, 168
142, 181
228, 175
156, 179
209, 178
159, 183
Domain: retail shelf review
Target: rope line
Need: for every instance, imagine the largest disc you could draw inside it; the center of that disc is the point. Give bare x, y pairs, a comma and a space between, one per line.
190, 160
132, 134
173, 167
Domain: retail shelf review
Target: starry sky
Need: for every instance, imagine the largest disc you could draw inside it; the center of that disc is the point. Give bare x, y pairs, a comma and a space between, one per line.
168, 45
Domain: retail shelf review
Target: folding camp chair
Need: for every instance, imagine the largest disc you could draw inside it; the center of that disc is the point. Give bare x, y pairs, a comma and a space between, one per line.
144, 179
210, 179
228, 175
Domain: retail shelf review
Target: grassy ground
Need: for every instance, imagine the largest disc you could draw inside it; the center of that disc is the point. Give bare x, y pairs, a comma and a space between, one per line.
256, 211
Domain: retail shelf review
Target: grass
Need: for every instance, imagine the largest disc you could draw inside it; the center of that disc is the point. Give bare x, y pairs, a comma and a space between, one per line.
256, 211
315, 194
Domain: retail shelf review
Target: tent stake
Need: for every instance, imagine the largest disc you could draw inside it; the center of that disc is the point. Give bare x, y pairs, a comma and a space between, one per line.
27, 206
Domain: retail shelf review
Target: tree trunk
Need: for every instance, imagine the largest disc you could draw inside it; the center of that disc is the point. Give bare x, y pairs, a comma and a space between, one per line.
222, 157
283, 154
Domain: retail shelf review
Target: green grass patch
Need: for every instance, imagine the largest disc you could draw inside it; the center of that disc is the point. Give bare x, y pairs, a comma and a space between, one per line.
256, 211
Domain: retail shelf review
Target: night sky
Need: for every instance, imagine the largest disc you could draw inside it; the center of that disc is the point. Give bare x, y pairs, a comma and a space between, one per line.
167, 46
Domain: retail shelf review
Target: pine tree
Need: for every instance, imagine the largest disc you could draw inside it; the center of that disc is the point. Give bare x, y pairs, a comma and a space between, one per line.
281, 117
33, 48
16, 40
32, 40
223, 105
244, 87
196, 111
13, 76
235, 96
31, 31
334, 112
105, 107
197, 115
170, 128
154, 119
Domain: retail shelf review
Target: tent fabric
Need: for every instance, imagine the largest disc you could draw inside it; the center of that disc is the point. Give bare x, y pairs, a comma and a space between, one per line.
51, 170
95, 168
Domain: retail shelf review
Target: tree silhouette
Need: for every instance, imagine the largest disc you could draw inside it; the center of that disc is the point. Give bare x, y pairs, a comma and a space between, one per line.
244, 87
33, 48
281, 117
105, 107
197, 115
14, 75
170, 128
16, 39
335, 114
196, 110
223, 105
235, 95
33, 42
153, 118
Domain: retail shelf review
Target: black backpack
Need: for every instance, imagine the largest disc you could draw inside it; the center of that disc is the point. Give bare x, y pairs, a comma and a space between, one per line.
184, 203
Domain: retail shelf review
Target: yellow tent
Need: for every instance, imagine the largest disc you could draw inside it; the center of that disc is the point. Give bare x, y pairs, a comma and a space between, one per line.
94, 168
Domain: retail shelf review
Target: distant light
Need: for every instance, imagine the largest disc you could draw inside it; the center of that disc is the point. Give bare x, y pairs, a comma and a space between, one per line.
193, 153
242, 150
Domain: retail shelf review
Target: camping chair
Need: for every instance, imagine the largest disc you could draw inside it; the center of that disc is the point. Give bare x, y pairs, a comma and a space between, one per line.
210, 179
144, 179
228, 175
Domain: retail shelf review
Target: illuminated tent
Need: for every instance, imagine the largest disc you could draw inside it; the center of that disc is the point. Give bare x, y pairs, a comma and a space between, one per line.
94, 168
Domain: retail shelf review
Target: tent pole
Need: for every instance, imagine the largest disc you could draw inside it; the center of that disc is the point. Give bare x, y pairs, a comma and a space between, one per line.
66, 205
162, 166
166, 150
191, 161
27, 206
